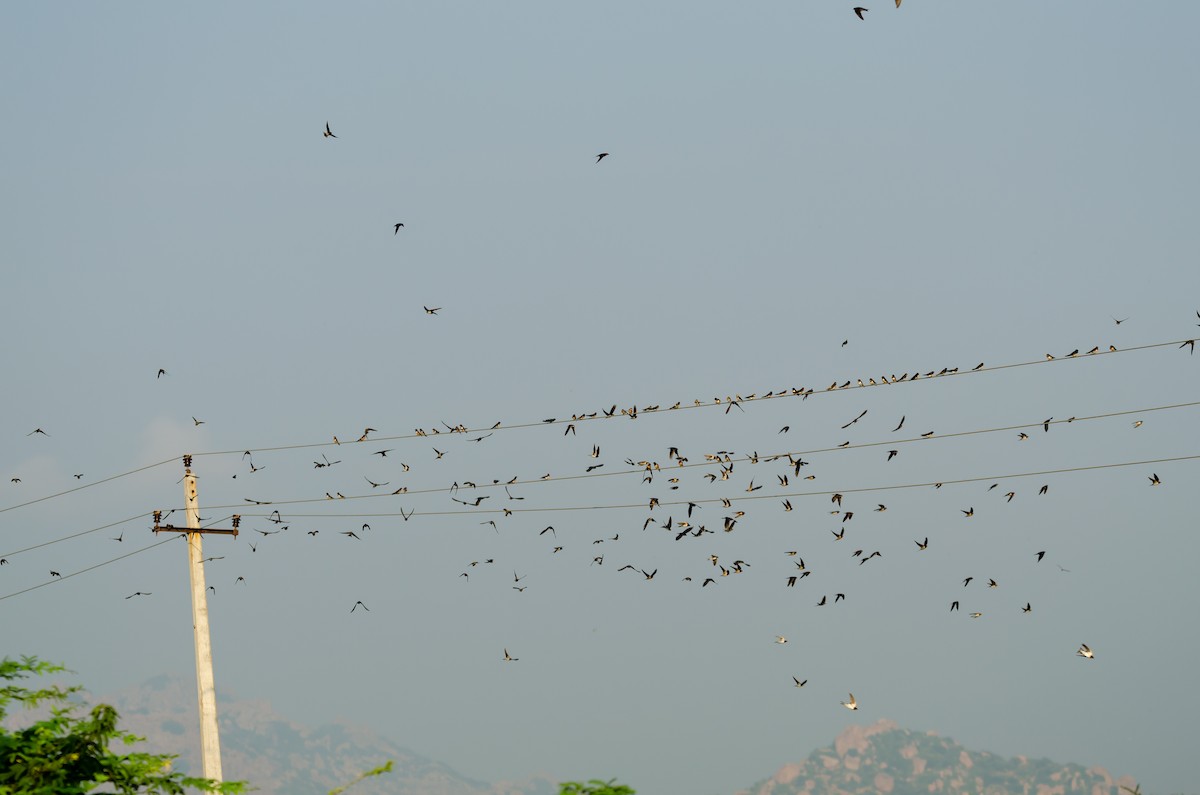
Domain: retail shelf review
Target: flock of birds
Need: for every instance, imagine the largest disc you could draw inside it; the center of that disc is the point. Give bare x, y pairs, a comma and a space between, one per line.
688, 523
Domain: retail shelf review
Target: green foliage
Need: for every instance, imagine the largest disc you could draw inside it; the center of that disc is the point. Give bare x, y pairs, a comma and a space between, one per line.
594, 787
385, 768
67, 754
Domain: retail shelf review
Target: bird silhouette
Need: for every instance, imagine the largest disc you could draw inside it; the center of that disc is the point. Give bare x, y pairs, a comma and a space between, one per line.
601, 156
399, 226
329, 132
858, 10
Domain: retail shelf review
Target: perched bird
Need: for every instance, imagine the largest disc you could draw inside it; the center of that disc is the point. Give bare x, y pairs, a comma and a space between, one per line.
1084, 651
851, 704
601, 156
329, 132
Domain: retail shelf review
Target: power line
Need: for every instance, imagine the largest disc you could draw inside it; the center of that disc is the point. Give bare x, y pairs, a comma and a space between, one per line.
733, 400
785, 495
719, 462
102, 564
73, 535
89, 485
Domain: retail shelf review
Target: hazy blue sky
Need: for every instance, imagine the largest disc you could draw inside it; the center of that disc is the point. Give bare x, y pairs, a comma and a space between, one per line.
940, 185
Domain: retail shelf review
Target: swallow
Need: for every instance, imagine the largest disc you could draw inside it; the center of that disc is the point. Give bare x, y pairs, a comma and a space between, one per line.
350, 533
839, 598
79, 476
892, 454
822, 602
518, 579
1119, 322
242, 580
198, 422
1137, 423
37, 430
1028, 608
329, 132
838, 536
55, 574
969, 512
900, 425
601, 156
785, 429
1041, 555
977, 367
1044, 489
856, 419
799, 683
1022, 436
1009, 496
439, 453
399, 226
1154, 481
780, 639
120, 536
1084, 651
953, 605
976, 615
967, 581
922, 545
927, 434
992, 583
430, 311
1189, 343
650, 575
359, 604
139, 593
161, 373
851, 704
375, 485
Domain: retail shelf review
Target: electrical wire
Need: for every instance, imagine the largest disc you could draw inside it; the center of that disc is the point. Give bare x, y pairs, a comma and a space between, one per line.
73, 535
721, 462
774, 496
88, 485
728, 403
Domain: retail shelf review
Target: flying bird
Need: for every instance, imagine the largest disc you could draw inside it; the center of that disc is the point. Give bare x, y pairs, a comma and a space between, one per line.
601, 156
329, 132
851, 704
1154, 481
432, 311
799, 683
37, 430
1084, 651
198, 422
359, 604
858, 10
399, 226
161, 373
900, 425
510, 658
139, 593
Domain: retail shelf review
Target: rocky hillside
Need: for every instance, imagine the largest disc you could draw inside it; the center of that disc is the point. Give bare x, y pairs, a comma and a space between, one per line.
278, 756
883, 758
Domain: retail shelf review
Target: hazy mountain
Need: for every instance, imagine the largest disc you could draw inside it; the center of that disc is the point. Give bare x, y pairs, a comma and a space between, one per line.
278, 756
883, 758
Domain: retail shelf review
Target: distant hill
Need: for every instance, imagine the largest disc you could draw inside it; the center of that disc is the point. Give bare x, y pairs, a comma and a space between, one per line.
279, 757
883, 758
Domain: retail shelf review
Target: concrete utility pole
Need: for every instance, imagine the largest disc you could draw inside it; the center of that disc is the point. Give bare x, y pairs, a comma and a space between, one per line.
205, 686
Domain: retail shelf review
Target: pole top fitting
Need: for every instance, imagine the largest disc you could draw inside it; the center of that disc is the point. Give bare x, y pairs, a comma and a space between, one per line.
187, 461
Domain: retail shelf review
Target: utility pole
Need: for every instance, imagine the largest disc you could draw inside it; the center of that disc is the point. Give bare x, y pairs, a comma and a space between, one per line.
210, 743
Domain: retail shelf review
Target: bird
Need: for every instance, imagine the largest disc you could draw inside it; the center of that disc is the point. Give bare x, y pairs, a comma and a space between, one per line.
161, 373
976, 615
55, 574
509, 658
79, 476
1044, 489
432, 311
198, 422
399, 226
1137, 423
1028, 608
37, 430
900, 425
601, 156
799, 683
780, 639
1154, 481
352, 534
359, 604
139, 593
1084, 651
858, 10
1119, 322
1191, 343
1041, 555
967, 581
119, 537
892, 454
851, 704
922, 545
993, 584
969, 512
953, 605
329, 132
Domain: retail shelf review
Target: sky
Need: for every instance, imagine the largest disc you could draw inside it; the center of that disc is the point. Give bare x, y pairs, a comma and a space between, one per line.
792, 197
